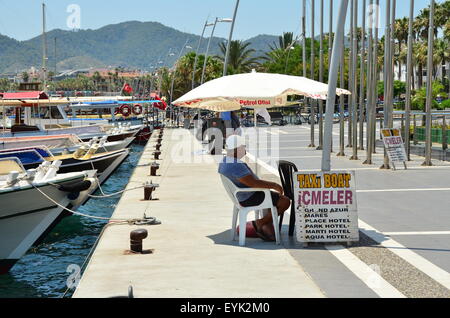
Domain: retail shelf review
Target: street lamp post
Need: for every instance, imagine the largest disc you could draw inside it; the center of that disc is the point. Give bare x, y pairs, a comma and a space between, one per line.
185, 46
217, 20
207, 50
227, 53
196, 52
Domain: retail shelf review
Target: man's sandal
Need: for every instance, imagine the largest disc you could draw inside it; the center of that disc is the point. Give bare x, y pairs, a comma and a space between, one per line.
261, 234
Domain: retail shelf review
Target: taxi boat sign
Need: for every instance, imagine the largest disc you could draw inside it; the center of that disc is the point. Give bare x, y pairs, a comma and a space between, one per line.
395, 148
325, 206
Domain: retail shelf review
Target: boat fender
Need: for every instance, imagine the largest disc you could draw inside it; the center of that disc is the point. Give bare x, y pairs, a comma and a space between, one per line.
137, 109
78, 197
76, 186
125, 110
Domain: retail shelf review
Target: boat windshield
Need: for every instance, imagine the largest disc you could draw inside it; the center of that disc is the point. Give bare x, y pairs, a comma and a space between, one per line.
10, 164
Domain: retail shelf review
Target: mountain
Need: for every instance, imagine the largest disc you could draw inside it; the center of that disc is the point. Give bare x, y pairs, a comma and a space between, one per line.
131, 44
261, 43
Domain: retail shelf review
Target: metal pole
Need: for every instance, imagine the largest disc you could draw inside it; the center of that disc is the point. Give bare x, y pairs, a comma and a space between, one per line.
173, 77
330, 34
341, 99
196, 53
387, 67
207, 50
321, 78
375, 77
336, 56
355, 83
304, 37
370, 78
409, 71
427, 161
330, 45
391, 70
55, 56
362, 101
227, 53
350, 81
44, 50
313, 101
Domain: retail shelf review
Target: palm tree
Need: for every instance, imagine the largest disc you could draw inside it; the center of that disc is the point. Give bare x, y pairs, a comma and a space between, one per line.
441, 55
241, 58
284, 41
442, 14
420, 55
401, 34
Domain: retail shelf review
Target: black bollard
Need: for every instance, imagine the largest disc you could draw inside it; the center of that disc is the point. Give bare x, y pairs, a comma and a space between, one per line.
148, 189
156, 154
158, 146
154, 166
136, 237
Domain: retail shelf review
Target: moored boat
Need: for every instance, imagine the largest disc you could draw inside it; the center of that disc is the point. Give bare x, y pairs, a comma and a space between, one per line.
31, 201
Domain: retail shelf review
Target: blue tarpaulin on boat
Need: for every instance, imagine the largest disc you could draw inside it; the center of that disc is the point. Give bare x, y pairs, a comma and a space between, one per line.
25, 157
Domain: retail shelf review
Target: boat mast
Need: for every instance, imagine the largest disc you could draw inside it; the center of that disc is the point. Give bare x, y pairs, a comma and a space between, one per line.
44, 50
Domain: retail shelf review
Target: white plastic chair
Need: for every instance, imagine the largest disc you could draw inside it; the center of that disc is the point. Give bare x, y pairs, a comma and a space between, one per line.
238, 209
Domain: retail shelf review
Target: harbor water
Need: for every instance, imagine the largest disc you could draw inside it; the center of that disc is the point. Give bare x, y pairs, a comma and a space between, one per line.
45, 269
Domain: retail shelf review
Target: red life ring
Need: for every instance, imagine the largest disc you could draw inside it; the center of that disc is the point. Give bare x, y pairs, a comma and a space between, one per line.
137, 109
125, 110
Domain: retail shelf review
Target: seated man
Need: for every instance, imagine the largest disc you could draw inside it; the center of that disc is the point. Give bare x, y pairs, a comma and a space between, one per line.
243, 177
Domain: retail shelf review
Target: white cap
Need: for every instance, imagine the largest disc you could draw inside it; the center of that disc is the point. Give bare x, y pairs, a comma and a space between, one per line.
234, 141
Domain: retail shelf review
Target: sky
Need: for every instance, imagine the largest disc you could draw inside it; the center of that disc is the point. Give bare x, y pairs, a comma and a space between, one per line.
22, 19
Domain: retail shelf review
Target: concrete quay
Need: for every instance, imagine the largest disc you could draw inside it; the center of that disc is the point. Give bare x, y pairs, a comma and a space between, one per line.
193, 255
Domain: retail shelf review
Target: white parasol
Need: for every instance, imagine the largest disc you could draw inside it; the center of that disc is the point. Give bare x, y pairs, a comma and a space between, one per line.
252, 90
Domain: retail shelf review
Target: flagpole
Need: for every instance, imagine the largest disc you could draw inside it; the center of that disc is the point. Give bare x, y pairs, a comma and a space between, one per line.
362, 106
355, 82
409, 72
313, 102
429, 99
321, 78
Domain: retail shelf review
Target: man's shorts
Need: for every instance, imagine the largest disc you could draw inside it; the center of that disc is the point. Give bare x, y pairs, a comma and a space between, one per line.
258, 197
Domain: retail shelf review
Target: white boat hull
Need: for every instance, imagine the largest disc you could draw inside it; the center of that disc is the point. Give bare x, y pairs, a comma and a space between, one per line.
24, 216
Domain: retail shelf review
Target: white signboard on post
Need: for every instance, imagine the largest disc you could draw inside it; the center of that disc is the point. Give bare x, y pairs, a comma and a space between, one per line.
325, 205
393, 143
